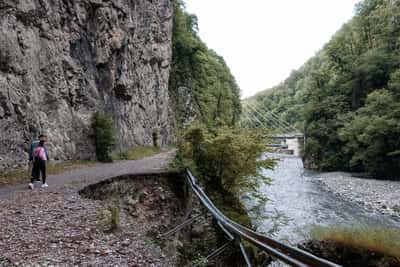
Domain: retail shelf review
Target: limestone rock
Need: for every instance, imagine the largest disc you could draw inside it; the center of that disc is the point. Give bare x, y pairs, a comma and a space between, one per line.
60, 61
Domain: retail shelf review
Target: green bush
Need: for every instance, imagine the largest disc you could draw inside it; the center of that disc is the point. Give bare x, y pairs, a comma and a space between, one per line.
227, 159
115, 219
104, 136
155, 138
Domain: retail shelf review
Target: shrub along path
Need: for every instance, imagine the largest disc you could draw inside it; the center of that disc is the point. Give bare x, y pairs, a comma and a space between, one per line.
56, 226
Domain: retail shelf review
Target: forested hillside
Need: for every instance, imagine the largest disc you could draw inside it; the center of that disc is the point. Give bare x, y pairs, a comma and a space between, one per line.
201, 85
346, 98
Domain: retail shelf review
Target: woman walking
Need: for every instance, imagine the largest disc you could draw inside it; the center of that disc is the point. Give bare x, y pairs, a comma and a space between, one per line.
39, 164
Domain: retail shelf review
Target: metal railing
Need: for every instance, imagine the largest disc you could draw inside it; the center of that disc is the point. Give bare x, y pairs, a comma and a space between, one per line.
236, 232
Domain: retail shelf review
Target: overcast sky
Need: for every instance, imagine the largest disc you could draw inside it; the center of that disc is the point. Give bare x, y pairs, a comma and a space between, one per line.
263, 40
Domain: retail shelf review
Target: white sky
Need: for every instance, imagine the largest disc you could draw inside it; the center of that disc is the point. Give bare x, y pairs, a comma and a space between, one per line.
263, 40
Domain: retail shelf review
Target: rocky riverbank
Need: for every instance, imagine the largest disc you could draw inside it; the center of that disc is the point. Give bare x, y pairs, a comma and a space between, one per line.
379, 196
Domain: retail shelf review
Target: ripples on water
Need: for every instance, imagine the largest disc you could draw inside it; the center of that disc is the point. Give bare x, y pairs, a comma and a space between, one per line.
298, 202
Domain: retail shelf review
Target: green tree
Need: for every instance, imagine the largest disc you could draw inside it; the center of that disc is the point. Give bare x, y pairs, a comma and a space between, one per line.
228, 160
372, 135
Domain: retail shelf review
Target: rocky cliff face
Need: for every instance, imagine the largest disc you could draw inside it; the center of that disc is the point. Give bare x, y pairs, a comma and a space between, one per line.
62, 60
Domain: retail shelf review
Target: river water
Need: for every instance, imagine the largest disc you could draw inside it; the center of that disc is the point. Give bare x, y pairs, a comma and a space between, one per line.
298, 202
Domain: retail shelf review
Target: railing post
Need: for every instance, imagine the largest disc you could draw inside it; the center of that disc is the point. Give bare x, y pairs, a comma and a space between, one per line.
244, 253
180, 226
219, 250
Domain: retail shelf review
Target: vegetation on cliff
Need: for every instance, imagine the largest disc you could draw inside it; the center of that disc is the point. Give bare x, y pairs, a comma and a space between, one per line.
201, 85
207, 105
347, 97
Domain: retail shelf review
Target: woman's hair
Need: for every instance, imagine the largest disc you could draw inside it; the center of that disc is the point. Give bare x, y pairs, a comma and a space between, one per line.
41, 143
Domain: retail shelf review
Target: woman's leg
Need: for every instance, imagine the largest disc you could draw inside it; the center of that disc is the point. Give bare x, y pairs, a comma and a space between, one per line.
35, 171
43, 171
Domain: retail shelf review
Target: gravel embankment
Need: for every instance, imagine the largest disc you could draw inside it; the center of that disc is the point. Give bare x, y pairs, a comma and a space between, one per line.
376, 195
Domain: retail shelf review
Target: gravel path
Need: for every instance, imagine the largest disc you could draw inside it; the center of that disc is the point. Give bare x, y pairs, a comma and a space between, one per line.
56, 227
82, 177
376, 195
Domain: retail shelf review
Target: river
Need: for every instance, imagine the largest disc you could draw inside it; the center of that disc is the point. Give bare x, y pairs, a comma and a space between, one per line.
298, 202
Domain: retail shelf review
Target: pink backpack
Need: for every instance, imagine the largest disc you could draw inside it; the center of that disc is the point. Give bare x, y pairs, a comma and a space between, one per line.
39, 152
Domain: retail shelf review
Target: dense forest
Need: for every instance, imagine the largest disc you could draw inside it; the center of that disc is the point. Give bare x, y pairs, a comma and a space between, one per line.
346, 99
201, 85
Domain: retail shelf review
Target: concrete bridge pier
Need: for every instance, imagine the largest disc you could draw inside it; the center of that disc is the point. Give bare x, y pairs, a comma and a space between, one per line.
288, 144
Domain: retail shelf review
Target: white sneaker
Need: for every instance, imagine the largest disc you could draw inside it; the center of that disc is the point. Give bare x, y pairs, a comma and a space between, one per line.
45, 185
30, 186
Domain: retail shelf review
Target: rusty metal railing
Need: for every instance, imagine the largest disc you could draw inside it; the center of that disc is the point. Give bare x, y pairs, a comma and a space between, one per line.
236, 232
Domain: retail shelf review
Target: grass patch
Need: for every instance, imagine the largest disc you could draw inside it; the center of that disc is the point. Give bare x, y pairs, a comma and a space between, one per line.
115, 220
382, 240
20, 175
138, 152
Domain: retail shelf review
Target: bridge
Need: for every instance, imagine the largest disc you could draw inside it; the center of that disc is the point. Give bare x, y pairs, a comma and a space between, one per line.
284, 136
237, 234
